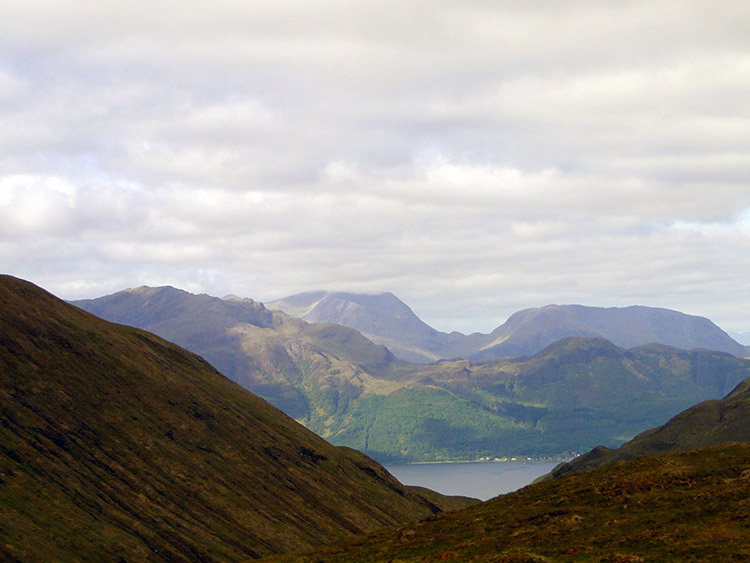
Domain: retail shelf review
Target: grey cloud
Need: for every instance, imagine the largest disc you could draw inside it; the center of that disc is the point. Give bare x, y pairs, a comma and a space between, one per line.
472, 158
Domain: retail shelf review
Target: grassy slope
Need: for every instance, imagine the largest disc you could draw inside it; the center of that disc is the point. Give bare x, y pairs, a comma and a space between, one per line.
116, 443
684, 506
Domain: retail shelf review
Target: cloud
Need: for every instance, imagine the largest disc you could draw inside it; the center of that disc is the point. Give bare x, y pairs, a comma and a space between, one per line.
473, 158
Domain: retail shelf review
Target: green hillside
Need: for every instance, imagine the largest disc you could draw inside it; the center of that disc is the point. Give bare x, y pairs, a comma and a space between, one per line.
707, 423
570, 397
688, 506
117, 445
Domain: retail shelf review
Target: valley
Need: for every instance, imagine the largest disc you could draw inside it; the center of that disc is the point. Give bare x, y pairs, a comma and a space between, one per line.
688, 506
375, 282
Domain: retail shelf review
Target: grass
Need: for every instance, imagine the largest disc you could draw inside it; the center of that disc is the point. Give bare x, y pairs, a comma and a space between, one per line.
115, 443
682, 506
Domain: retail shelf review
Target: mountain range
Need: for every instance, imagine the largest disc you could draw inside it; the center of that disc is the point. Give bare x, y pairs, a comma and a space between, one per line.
118, 445
569, 397
386, 320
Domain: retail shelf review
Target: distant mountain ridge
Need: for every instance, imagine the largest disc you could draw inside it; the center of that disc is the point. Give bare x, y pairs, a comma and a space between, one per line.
386, 320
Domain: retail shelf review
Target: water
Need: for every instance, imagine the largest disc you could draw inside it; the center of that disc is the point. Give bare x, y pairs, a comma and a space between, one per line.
481, 479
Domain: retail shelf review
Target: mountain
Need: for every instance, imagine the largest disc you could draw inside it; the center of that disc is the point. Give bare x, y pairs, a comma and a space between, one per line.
386, 320
560, 400
284, 360
681, 506
528, 331
569, 397
117, 445
707, 423
383, 318
742, 337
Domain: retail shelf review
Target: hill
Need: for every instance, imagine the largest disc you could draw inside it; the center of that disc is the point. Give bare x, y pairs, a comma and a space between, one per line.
563, 399
117, 445
569, 397
682, 506
386, 320
707, 423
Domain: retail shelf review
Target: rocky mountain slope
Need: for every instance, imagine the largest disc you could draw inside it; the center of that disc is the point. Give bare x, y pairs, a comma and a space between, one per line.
268, 352
382, 318
386, 320
573, 395
117, 445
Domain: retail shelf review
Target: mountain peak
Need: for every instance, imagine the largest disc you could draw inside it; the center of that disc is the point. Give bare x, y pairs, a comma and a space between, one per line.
381, 317
529, 330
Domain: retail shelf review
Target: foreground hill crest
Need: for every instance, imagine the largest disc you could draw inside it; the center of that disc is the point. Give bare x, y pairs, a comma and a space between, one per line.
115, 443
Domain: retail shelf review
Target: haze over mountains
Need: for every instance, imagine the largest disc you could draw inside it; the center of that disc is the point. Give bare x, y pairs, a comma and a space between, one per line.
571, 396
386, 320
117, 445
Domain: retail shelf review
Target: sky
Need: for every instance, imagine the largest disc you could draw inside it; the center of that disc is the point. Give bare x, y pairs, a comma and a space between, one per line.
474, 158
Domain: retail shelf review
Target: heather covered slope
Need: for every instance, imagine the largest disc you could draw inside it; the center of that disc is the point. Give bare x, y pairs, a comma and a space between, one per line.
707, 423
117, 444
690, 506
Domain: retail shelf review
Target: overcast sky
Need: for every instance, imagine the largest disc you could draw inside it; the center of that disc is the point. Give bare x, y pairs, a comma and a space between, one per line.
474, 158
